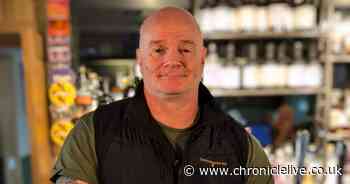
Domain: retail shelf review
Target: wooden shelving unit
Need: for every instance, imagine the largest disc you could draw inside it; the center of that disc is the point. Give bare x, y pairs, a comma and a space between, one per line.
262, 35
340, 58
265, 92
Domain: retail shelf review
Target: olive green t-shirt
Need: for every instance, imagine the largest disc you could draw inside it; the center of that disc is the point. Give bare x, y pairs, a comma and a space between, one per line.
78, 160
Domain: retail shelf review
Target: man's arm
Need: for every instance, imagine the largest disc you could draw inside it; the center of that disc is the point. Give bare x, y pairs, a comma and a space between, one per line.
67, 180
77, 158
257, 158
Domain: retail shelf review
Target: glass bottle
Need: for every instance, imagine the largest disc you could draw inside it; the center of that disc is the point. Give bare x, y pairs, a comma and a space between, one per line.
282, 69
235, 21
332, 161
261, 16
251, 71
205, 17
231, 72
296, 71
247, 16
84, 96
314, 68
269, 78
305, 15
223, 16
280, 16
106, 97
211, 77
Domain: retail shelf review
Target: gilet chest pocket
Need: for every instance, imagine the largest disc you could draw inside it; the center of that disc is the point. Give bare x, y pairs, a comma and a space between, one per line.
216, 160
130, 162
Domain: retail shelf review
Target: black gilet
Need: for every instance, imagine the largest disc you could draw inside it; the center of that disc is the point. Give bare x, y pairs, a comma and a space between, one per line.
131, 149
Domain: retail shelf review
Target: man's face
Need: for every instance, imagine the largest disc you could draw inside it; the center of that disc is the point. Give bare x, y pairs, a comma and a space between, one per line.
171, 58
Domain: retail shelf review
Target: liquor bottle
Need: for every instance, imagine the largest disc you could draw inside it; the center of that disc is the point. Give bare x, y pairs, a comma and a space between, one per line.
223, 16
205, 16
231, 72
332, 161
212, 67
280, 16
117, 92
269, 68
247, 16
235, 21
305, 15
313, 69
137, 71
84, 97
301, 149
282, 69
296, 71
94, 88
251, 71
106, 97
261, 16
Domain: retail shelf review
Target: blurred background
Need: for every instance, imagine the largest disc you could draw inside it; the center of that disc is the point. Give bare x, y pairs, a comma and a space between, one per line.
279, 67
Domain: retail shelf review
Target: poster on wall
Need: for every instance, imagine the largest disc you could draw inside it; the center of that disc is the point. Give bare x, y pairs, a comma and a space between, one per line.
59, 54
61, 77
58, 9
59, 28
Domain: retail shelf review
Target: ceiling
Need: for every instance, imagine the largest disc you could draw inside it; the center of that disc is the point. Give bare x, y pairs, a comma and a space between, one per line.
116, 15
109, 28
130, 4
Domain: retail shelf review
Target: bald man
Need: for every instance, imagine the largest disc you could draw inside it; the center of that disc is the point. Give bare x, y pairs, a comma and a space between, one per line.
171, 130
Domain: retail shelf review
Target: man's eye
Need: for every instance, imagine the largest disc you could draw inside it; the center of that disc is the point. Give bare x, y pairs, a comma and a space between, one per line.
159, 50
185, 50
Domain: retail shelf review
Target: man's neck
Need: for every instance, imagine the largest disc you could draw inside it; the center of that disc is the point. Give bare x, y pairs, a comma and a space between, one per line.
177, 111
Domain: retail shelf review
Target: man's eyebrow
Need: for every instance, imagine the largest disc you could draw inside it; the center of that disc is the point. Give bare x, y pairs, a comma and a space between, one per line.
188, 42
154, 42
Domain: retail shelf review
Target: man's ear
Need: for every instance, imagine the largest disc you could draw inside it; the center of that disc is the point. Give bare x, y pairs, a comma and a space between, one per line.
203, 55
138, 56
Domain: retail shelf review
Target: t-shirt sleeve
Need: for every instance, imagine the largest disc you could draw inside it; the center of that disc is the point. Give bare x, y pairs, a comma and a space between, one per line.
257, 158
77, 158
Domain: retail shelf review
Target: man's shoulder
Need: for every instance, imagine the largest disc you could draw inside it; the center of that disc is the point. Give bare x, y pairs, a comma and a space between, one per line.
228, 122
110, 115
120, 104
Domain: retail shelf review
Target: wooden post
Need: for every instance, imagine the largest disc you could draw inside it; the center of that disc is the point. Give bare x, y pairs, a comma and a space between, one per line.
37, 113
20, 17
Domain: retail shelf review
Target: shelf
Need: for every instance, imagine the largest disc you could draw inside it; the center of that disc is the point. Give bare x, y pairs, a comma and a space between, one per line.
337, 137
341, 58
112, 62
262, 35
264, 92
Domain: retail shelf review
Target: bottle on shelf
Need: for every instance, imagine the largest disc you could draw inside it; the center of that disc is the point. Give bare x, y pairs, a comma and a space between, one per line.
123, 82
205, 16
282, 65
262, 16
313, 160
314, 68
223, 16
251, 71
235, 22
231, 72
212, 68
296, 71
280, 16
305, 15
247, 16
106, 97
94, 88
84, 97
332, 161
269, 78
301, 149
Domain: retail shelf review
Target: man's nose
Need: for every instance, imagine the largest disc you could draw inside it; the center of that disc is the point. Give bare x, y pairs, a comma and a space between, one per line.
174, 57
